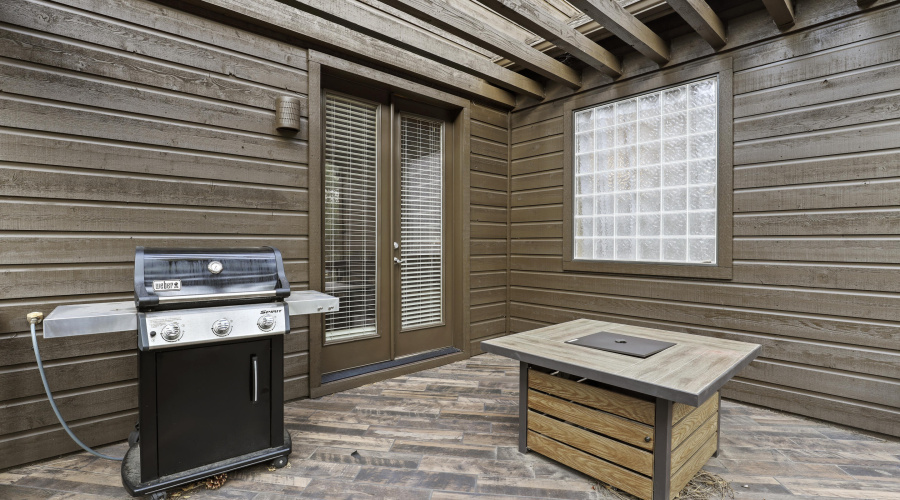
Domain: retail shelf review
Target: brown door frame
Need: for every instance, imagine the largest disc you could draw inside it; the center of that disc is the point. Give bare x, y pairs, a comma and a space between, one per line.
457, 206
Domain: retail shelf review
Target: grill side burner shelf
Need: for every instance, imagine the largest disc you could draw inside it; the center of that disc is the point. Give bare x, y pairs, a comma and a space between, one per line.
211, 326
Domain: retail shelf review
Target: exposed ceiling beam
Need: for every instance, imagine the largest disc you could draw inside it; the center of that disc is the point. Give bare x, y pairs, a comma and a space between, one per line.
476, 31
277, 16
625, 26
781, 11
535, 18
403, 16
704, 21
644, 10
385, 27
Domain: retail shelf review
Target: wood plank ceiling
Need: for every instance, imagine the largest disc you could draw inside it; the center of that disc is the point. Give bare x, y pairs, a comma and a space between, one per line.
494, 49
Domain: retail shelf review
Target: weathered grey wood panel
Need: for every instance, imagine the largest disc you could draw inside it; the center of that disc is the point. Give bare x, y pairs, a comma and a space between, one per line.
129, 123
816, 225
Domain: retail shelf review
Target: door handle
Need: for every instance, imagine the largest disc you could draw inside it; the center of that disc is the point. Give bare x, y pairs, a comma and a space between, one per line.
398, 260
255, 372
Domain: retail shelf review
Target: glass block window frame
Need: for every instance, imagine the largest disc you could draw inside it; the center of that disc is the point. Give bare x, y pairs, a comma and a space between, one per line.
645, 177
660, 81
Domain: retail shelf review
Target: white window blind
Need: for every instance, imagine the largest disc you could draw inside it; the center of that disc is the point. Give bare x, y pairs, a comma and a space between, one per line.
645, 177
421, 222
351, 131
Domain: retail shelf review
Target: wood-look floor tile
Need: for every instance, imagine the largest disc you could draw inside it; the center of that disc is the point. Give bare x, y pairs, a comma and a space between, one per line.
366, 457
838, 457
437, 448
11, 491
327, 489
490, 439
791, 469
443, 424
342, 441
346, 429
453, 436
483, 467
451, 495
486, 416
878, 490
418, 478
538, 487
409, 410
505, 428
878, 472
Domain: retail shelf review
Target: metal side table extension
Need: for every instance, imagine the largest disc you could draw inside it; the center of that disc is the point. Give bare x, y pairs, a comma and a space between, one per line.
645, 425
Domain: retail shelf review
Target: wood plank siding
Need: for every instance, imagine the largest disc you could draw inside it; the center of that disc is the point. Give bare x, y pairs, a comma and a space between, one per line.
489, 212
815, 221
121, 124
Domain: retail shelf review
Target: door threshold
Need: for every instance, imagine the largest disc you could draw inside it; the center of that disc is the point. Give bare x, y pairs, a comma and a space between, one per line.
384, 365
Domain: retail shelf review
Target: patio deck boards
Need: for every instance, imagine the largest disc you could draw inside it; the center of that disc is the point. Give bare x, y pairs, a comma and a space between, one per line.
450, 433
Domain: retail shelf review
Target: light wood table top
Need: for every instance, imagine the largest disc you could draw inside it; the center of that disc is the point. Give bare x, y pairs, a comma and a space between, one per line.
689, 372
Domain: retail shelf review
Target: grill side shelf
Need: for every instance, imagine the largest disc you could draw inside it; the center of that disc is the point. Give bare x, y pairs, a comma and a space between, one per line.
109, 317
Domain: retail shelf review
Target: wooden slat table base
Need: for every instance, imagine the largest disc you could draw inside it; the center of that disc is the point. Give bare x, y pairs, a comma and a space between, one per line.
648, 447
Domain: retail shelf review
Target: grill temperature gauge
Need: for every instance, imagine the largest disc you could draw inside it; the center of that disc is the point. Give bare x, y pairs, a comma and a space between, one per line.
266, 323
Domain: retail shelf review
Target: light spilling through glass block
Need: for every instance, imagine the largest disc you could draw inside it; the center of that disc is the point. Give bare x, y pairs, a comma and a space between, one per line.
645, 177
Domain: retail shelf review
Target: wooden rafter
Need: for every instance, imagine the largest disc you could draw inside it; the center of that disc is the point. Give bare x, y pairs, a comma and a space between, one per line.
535, 18
444, 16
644, 10
781, 11
702, 18
380, 25
275, 15
625, 26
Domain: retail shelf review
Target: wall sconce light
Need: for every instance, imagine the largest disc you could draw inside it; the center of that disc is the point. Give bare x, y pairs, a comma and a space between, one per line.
287, 114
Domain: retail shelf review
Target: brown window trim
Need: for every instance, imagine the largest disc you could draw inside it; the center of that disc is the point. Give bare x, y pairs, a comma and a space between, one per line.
720, 67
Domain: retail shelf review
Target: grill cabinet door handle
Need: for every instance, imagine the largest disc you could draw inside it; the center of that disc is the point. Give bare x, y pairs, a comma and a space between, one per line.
255, 380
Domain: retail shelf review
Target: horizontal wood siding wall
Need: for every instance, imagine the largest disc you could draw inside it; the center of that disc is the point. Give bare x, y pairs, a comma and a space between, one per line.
489, 198
124, 123
816, 225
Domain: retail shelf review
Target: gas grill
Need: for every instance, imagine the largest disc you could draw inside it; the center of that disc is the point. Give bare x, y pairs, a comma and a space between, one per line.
211, 327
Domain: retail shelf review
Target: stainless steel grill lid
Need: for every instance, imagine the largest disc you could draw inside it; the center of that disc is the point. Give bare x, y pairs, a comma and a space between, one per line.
168, 278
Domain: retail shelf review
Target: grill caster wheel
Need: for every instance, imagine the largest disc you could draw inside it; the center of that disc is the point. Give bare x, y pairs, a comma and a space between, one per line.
159, 495
134, 438
279, 462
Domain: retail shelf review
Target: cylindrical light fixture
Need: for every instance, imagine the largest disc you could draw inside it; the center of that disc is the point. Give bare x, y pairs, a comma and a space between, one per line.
287, 114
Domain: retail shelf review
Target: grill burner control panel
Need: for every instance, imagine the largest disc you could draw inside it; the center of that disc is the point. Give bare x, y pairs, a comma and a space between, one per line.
175, 328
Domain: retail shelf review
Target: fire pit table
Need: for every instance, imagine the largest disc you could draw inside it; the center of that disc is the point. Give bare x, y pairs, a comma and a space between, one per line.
637, 408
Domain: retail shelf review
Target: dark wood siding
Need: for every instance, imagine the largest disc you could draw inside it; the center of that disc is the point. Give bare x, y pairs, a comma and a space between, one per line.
815, 224
128, 123
489, 198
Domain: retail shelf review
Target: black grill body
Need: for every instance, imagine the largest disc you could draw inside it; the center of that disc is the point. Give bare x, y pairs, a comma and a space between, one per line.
211, 355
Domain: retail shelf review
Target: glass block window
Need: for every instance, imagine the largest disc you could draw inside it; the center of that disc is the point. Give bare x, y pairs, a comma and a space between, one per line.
645, 177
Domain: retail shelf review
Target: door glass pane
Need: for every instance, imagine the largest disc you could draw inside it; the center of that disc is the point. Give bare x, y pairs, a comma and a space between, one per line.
421, 222
351, 128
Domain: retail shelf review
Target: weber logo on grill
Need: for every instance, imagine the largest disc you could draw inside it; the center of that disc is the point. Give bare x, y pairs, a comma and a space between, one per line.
167, 286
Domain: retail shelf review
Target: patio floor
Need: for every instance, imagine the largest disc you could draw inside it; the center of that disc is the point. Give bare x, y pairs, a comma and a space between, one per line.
450, 434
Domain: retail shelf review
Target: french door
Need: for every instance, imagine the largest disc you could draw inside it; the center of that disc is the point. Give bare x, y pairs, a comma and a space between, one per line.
385, 231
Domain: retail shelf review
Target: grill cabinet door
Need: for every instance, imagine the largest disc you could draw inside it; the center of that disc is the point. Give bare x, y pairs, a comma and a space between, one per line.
205, 406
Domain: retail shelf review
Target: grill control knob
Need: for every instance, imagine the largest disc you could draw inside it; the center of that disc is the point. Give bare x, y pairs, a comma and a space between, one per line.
266, 323
171, 332
221, 327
